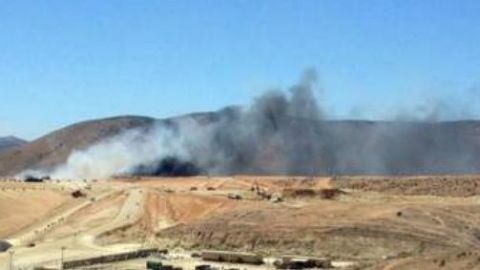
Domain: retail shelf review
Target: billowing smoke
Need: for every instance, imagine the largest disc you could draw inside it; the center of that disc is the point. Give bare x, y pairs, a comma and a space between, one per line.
144, 151
281, 133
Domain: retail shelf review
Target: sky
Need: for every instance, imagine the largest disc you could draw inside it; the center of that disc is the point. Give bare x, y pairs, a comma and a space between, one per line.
66, 61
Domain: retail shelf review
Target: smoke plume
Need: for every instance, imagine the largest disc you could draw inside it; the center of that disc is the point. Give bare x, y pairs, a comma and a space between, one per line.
282, 132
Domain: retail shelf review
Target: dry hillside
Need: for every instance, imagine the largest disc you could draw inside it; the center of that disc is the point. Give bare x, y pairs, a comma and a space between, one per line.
54, 148
7, 143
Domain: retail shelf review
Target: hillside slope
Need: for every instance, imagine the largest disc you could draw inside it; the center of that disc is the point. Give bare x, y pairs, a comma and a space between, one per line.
7, 143
54, 148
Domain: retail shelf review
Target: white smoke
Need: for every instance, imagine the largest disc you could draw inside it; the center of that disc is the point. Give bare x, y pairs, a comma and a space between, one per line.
122, 153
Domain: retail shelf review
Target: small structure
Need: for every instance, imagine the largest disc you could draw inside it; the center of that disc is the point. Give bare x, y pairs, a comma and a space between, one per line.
203, 267
302, 263
233, 196
111, 258
232, 257
153, 264
32, 179
299, 192
78, 194
196, 255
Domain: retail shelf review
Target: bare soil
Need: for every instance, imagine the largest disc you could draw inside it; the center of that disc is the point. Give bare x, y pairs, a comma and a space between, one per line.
425, 222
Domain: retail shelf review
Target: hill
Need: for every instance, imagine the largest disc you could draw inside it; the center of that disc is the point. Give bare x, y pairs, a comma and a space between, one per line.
10, 142
54, 148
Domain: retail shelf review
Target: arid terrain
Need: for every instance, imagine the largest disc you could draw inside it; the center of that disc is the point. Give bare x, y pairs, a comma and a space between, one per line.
10, 142
373, 222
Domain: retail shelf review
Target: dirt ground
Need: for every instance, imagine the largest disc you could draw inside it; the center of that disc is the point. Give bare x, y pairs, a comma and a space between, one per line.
21, 205
430, 222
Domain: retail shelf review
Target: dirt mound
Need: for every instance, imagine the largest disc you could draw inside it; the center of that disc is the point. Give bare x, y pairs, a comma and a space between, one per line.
321, 229
455, 259
299, 192
331, 193
162, 209
456, 186
324, 193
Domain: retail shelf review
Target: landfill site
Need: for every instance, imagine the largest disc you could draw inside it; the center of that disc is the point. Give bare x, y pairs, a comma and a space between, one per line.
241, 222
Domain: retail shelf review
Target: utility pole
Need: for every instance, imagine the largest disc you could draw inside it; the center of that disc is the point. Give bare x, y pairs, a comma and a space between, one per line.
11, 259
62, 249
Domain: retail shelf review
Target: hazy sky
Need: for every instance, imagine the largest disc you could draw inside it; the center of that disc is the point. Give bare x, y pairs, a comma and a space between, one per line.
66, 61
